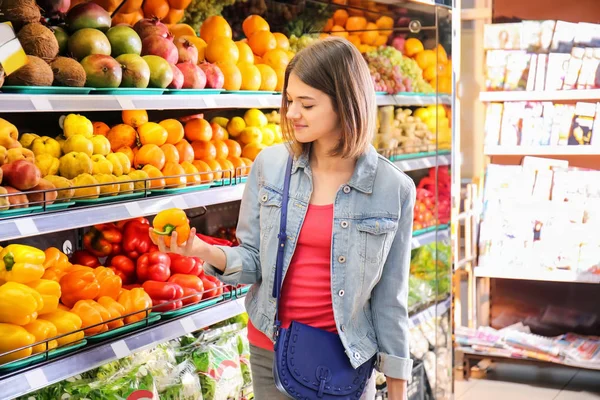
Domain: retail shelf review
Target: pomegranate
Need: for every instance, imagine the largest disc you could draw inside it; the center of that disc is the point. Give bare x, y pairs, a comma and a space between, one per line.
53, 8
187, 51
150, 26
177, 82
160, 46
193, 76
214, 76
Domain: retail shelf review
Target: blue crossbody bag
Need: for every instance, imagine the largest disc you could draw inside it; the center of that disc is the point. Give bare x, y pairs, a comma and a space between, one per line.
311, 363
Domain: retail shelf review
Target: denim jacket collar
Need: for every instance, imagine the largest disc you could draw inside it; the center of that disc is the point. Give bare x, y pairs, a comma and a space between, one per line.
363, 178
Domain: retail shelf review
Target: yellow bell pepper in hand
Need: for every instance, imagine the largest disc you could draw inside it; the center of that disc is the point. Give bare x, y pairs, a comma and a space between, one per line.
19, 304
14, 337
42, 330
50, 291
65, 322
21, 263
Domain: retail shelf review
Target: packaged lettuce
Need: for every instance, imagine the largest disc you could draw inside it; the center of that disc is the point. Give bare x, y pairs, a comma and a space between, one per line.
244, 352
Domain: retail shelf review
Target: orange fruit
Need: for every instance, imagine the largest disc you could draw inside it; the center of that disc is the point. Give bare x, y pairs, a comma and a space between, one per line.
340, 17
385, 22
127, 151
246, 55
370, 35
205, 171
174, 130
100, 128
221, 147
262, 41
198, 129
430, 73
355, 40
238, 165
248, 162
227, 167
216, 169
268, 77
232, 74
156, 8
121, 136
445, 84
283, 42
356, 23
323, 36
254, 23
219, 133
339, 31
426, 59
213, 27
251, 77
149, 154
173, 16
328, 25
222, 49
280, 78
276, 58
156, 180
152, 133
171, 153
381, 40
257, 60
185, 150
234, 147
189, 168
204, 150
412, 47
441, 54
178, 30
175, 173
251, 150
134, 118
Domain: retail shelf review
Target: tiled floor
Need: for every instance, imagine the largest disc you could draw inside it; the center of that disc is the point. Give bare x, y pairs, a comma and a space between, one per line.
522, 382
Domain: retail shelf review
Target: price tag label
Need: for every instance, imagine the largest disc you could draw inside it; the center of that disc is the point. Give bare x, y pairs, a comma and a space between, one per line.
134, 209
414, 243
126, 103
121, 349
36, 378
41, 103
210, 102
27, 227
188, 325
180, 202
428, 163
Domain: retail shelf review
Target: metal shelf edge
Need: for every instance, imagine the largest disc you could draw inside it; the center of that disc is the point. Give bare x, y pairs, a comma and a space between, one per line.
429, 237
544, 276
557, 95
435, 310
541, 150
423, 162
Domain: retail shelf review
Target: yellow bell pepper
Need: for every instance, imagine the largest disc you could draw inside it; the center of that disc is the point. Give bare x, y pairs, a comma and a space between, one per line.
42, 330
65, 322
21, 263
50, 291
14, 337
19, 304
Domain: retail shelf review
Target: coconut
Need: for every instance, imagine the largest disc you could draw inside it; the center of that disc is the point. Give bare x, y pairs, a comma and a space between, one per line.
20, 12
36, 73
39, 41
67, 72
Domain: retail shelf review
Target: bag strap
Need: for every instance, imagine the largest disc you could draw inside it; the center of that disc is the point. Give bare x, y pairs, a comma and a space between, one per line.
282, 236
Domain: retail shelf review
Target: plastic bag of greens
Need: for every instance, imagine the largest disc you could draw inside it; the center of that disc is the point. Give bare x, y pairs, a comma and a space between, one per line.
244, 352
182, 384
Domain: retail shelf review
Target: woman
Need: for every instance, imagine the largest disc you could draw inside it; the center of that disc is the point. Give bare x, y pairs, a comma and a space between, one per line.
349, 224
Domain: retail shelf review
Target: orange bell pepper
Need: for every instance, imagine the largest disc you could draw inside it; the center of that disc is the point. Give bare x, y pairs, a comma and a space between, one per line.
50, 291
55, 258
65, 322
115, 309
135, 300
172, 220
110, 284
79, 283
14, 337
92, 314
42, 330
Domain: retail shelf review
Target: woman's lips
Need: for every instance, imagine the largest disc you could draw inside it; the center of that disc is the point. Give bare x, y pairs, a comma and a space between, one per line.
298, 127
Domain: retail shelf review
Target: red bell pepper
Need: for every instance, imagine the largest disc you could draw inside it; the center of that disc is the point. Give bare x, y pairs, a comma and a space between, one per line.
214, 240
103, 240
192, 285
136, 239
121, 224
166, 295
212, 286
85, 258
185, 265
123, 267
155, 266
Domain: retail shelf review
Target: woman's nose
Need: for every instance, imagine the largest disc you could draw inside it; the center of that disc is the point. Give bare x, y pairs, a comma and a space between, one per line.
292, 111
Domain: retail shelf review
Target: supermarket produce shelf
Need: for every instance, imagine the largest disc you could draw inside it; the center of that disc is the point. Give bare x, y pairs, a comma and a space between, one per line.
423, 162
435, 235
439, 308
542, 150
36, 378
536, 275
81, 103
33, 225
557, 95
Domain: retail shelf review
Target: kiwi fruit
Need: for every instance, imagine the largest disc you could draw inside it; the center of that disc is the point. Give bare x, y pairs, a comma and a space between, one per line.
20, 12
39, 41
67, 72
36, 73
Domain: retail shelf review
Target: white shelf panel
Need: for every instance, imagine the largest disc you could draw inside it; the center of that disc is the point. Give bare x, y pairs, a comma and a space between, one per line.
536, 275
37, 378
423, 162
80, 103
429, 237
542, 150
32, 225
557, 95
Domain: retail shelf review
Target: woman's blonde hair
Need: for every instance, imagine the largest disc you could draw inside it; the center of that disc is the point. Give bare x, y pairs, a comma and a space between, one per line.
335, 67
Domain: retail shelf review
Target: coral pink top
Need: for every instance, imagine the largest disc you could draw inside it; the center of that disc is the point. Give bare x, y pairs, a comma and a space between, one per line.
306, 292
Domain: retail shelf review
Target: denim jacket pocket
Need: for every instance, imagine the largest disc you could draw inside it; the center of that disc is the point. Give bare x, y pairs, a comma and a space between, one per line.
270, 203
375, 234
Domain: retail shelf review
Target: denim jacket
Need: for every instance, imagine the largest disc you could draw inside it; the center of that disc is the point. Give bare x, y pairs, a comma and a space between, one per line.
370, 256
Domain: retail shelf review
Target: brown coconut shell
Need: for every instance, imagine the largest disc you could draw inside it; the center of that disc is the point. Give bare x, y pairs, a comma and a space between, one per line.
20, 12
67, 72
36, 73
39, 41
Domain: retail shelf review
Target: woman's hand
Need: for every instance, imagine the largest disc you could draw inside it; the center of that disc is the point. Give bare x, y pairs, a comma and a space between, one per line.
396, 388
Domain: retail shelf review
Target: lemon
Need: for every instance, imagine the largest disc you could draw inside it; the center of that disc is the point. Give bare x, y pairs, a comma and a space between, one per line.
255, 117
251, 134
222, 121
235, 126
268, 133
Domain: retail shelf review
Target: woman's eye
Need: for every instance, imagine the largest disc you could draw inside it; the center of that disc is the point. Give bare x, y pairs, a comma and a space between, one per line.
307, 107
